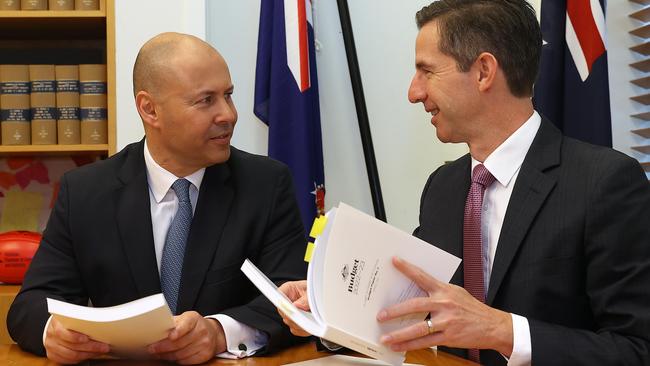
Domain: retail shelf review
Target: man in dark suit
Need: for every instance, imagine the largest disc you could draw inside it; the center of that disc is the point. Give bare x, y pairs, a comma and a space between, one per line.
109, 236
564, 239
554, 233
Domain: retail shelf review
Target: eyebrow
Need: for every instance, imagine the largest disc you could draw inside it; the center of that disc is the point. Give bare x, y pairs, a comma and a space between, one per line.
230, 89
423, 65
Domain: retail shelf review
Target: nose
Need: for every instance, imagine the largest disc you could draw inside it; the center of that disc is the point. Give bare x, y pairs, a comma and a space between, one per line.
416, 91
225, 112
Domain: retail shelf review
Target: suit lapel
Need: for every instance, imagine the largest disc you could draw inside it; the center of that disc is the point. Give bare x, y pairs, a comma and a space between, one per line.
210, 216
529, 193
134, 223
455, 211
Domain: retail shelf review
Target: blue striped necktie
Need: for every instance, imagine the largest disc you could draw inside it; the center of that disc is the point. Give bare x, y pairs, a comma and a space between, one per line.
171, 263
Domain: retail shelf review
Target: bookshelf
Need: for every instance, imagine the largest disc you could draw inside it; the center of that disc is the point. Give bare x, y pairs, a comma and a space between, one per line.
58, 37
62, 37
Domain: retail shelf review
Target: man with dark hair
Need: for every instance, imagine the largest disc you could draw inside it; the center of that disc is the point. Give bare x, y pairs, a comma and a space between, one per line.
553, 232
177, 213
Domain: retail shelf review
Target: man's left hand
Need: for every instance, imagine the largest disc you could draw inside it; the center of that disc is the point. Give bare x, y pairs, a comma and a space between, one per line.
193, 340
457, 318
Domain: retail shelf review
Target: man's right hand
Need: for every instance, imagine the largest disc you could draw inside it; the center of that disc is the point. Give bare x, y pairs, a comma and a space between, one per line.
70, 347
296, 291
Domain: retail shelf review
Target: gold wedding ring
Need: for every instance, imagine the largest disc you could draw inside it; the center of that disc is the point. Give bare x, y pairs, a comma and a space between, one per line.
430, 326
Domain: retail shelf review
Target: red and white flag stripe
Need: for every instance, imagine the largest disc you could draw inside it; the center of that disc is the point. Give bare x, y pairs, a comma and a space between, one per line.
297, 13
585, 33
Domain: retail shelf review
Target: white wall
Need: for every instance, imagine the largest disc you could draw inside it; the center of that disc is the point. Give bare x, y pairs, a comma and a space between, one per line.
405, 144
135, 23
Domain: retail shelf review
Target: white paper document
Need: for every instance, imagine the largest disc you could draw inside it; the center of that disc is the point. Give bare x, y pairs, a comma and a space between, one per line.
128, 326
351, 278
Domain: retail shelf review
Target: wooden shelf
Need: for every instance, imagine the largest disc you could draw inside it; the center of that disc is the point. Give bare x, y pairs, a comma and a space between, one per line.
62, 37
7, 294
52, 14
6, 150
642, 2
55, 24
52, 28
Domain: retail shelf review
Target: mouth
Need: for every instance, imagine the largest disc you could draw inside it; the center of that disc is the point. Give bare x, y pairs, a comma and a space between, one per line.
434, 112
223, 138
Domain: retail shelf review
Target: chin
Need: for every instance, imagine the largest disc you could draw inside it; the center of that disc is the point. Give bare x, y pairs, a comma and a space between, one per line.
220, 157
442, 137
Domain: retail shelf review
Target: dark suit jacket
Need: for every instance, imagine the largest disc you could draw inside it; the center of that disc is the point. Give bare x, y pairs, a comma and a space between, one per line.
574, 251
98, 244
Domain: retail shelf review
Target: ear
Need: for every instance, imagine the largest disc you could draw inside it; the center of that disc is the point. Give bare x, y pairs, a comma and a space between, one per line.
487, 67
147, 108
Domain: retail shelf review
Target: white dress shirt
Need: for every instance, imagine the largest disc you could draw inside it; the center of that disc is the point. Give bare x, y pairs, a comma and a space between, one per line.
504, 163
241, 340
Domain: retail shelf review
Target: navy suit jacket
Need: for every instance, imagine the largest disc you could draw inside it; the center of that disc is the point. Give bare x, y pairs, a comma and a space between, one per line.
574, 251
98, 244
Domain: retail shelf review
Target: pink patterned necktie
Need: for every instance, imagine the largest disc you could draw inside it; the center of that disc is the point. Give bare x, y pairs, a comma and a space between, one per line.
472, 241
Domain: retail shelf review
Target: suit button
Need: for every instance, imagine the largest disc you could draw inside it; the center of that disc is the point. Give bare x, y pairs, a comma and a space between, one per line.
242, 347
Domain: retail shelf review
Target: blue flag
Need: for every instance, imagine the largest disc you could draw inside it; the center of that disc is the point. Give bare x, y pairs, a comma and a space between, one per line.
572, 89
286, 98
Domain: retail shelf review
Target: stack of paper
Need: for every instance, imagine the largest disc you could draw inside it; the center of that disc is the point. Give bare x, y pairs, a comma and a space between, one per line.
132, 325
351, 278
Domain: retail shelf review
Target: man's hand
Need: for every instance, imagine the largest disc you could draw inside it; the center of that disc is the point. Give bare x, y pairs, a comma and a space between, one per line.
193, 340
69, 347
457, 318
296, 291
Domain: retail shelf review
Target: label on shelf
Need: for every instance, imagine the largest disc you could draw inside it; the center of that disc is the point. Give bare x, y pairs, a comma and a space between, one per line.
14, 87
93, 87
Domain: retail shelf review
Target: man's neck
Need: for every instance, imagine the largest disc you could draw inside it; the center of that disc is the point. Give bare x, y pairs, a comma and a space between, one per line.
167, 161
499, 126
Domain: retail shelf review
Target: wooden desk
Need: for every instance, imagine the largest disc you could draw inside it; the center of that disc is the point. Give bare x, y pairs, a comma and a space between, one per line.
12, 355
7, 294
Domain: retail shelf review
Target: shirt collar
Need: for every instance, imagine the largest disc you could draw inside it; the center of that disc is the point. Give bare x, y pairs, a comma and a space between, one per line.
160, 180
506, 160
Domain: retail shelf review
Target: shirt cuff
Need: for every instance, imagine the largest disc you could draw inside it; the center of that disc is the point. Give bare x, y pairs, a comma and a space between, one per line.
521, 346
47, 324
241, 340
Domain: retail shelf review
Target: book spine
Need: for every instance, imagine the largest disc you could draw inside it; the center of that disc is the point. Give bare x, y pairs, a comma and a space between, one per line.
43, 104
93, 104
33, 4
14, 99
86, 4
67, 104
61, 4
9, 5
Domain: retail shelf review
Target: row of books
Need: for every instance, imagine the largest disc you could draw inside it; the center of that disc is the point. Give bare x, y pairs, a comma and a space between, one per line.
53, 104
51, 4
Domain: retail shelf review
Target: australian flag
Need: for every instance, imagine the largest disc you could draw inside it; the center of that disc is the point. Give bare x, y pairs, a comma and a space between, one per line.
286, 98
572, 89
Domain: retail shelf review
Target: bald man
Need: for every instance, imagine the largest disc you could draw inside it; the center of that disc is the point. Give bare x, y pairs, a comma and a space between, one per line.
111, 236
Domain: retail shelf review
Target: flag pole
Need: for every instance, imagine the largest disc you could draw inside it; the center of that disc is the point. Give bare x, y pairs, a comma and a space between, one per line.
362, 112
